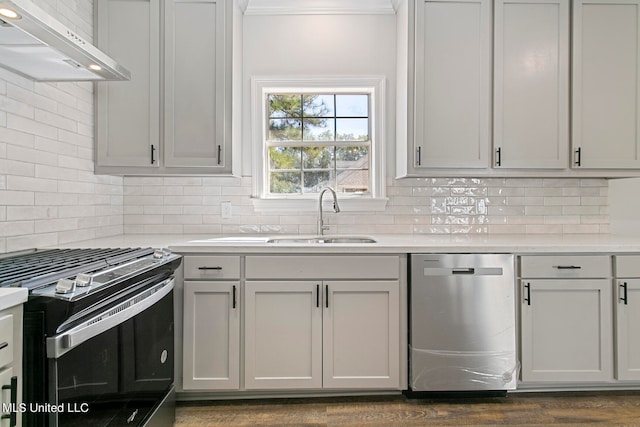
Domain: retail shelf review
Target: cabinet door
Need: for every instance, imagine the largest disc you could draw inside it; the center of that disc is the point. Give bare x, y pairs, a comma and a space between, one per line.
211, 352
5, 396
128, 113
606, 83
283, 335
628, 329
452, 87
361, 334
194, 83
566, 330
531, 84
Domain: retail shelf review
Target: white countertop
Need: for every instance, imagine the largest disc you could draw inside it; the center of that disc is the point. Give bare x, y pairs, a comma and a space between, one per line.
12, 296
512, 243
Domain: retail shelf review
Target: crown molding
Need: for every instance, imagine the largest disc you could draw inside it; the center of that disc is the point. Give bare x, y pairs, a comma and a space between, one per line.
318, 7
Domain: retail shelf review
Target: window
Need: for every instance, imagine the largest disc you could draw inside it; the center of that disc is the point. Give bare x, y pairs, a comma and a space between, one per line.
316, 140
310, 134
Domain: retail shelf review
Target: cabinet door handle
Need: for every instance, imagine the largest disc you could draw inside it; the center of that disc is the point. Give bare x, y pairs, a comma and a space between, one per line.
233, 303
527, 288
567, 267
623, 285
419, 156
578, 156
326, 296
4, 345
318, 296
153, 151
499, 156
219, 154
210, 268
12, 416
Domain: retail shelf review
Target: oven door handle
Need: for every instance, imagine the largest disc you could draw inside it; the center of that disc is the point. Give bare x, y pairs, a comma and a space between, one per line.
62, 343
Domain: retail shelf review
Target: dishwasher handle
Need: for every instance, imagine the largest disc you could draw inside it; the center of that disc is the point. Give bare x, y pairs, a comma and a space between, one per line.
462, 271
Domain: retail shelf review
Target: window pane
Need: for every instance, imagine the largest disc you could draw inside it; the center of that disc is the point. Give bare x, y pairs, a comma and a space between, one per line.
284, 157
353, 181
285, 105
352, 129
352, 157
318, 157
285, 182
314, 181
318, 105
285, 130
318, 129
352, 105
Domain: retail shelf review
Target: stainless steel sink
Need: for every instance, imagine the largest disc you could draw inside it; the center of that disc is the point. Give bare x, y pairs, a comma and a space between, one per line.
322, 239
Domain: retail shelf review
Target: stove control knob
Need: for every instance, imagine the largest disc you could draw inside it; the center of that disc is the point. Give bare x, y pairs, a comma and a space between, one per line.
83, 280
65, 286
161, 253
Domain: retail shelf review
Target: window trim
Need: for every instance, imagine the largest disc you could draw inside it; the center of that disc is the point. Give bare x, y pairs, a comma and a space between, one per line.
373, 85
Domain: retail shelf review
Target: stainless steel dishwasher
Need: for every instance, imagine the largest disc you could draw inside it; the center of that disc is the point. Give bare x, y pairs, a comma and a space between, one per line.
462, 323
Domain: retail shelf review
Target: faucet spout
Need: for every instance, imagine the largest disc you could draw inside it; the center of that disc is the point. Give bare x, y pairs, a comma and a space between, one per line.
336, 208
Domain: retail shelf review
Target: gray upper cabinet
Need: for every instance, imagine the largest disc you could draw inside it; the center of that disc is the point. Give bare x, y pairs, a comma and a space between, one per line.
128, 113
531, 84
452, 84
606, 83
192, 94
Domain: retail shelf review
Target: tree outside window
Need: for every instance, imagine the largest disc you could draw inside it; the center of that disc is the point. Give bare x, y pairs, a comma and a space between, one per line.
318, 139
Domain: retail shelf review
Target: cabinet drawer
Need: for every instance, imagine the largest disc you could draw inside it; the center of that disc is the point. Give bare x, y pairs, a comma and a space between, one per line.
6, 340
211, 267
322, 267
627, 265
565, 266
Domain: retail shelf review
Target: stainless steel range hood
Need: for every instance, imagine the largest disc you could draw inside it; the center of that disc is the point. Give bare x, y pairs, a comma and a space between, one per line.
36, 45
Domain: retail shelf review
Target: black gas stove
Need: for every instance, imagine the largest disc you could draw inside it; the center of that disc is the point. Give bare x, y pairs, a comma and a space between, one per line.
98, 333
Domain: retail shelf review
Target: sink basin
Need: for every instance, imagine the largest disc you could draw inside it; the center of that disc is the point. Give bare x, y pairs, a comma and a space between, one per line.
321, 239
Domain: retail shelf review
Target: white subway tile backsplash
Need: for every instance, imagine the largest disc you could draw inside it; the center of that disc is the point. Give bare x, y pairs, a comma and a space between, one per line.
416, 206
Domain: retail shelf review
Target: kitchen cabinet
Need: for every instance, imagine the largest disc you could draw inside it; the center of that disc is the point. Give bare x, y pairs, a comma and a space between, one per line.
452, 85
128, 114
211, 324
566, 319
187, 84
627, 317
11, 364
531, 84
606, 84
451, 105
307, 329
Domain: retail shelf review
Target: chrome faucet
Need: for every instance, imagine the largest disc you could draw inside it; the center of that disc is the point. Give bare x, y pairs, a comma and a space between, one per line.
336, 208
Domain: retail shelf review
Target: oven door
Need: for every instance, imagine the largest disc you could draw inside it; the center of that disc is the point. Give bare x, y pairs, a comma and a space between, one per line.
115, 368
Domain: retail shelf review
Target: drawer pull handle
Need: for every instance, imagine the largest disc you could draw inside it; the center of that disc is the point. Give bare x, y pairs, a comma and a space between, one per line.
4, 345
13, 387
568, 267
623, 285
209, 268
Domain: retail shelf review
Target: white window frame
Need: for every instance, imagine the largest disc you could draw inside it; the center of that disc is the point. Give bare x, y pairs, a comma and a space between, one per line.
374, 86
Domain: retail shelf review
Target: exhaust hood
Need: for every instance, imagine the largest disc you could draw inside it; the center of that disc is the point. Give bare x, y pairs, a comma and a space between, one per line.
37, 46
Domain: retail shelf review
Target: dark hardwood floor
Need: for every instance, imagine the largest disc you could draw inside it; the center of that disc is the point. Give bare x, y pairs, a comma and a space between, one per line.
527, 409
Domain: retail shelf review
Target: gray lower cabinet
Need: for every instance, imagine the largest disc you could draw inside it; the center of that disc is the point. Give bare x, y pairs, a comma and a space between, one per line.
179, 55
627, 317
211, 340
322, 334
262, 322
211, 323
10, 363
566, 319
